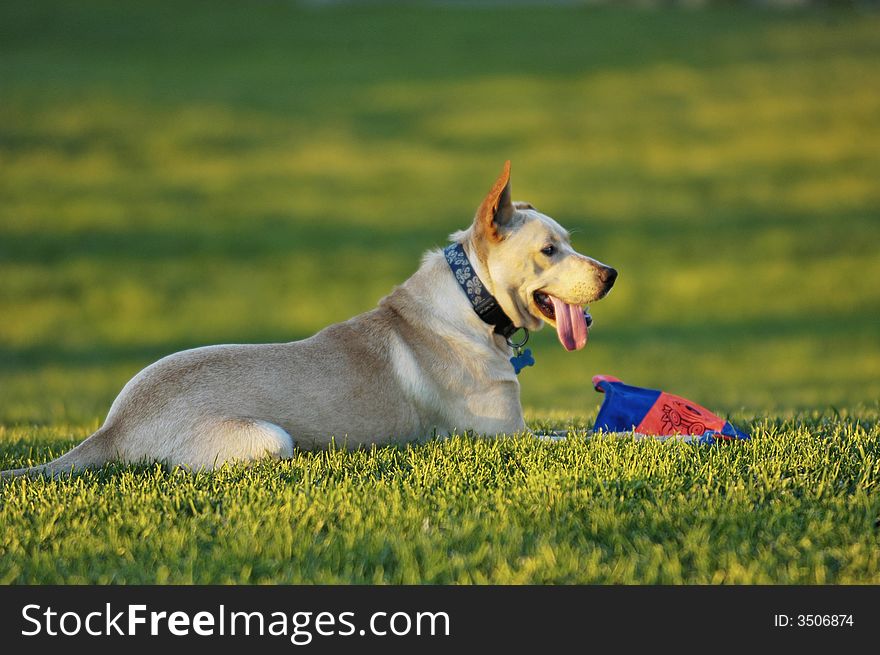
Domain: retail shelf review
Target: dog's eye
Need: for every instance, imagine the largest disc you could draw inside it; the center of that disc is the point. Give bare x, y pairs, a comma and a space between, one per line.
548, 250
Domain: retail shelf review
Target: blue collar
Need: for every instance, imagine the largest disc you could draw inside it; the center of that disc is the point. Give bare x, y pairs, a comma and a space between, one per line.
485, 305
483, 302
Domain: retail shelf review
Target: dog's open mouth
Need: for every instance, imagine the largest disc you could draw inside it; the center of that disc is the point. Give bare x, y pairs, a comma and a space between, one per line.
571, 321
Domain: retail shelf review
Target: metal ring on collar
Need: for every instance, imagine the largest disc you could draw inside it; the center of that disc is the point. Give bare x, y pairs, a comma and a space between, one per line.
519, 344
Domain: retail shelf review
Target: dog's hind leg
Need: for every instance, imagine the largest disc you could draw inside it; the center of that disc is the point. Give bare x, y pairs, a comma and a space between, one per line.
209, 446
234, 440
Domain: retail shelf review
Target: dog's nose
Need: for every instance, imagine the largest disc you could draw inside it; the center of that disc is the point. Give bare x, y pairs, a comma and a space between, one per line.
608, 275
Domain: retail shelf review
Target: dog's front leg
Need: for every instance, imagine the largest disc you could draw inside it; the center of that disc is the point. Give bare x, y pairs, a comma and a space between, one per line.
492, 411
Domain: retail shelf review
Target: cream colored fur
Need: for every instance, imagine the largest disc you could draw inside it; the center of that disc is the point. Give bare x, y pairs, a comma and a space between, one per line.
420, 364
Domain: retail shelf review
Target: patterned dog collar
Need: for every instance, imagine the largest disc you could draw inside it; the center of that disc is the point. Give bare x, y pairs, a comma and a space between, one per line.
483, 302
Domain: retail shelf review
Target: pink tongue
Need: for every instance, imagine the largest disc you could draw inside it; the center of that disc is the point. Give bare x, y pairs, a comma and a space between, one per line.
571, 326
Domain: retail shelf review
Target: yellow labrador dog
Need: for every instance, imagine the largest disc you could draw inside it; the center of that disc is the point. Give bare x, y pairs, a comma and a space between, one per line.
433, 358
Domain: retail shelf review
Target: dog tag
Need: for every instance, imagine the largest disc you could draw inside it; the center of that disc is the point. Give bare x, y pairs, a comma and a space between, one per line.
521, 359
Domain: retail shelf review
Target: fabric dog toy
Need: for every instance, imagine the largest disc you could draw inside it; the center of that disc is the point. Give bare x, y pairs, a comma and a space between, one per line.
651, 412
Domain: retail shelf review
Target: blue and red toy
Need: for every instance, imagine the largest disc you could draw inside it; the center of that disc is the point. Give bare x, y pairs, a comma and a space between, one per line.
651, 412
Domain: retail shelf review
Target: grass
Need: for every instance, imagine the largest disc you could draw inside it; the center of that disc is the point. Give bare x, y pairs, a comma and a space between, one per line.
179, 174
797, 505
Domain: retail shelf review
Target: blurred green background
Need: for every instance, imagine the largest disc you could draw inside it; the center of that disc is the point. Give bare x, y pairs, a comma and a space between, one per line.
175, 174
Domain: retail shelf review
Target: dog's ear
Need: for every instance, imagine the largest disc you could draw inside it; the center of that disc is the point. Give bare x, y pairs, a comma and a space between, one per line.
496, 210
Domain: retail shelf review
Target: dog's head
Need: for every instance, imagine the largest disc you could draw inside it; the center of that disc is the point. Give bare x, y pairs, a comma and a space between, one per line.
532, 270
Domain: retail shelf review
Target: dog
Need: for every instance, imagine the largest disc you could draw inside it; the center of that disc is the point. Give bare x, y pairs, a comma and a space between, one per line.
433, 358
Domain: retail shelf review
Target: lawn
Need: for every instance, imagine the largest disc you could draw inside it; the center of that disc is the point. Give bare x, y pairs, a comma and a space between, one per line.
798, 504
175, 174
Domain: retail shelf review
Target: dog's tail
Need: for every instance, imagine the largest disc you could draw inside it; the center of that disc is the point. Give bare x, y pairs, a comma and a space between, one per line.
94, 451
